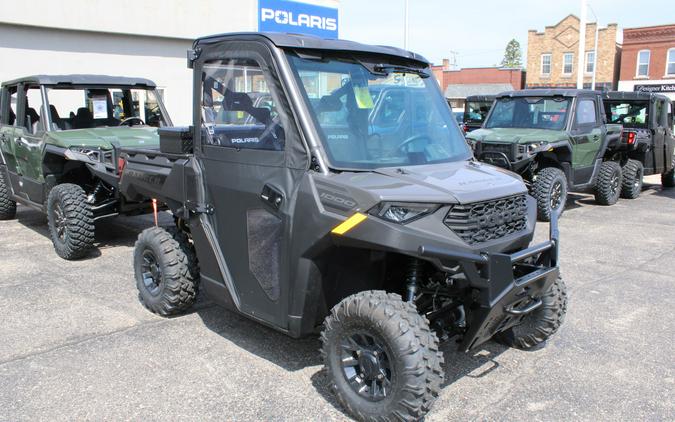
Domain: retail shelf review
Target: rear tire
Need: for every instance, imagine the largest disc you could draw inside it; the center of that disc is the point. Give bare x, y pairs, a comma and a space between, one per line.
71, 221
7, 206
381, 357
631, 183
165, 268
608, 185
542, 323
550, 191
668, 178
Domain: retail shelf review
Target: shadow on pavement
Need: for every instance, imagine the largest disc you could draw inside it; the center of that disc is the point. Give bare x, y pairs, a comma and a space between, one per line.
286, 352
112, 232
296, 354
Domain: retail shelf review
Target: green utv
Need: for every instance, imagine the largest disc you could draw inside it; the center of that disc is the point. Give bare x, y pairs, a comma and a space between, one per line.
348, 203
557, 140
58, 141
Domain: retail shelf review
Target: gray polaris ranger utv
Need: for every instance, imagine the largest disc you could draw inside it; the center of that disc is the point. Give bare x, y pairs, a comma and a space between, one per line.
328, 208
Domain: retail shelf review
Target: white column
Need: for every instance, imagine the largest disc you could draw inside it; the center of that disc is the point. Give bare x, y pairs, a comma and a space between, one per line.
582, 46
405, 26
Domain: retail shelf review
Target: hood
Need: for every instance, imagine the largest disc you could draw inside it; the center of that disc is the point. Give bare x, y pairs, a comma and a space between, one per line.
517, 135
458, 182
103, 137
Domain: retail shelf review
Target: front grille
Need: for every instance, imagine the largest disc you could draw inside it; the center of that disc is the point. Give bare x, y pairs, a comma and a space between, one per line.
480, 222
502, 148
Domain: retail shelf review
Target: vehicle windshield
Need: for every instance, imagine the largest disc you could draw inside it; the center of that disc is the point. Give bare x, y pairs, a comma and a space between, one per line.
92, 107
477, 111
369, 119
530, 113
628, 113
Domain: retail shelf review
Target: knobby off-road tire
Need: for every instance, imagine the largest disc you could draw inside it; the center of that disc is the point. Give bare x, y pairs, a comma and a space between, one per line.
7, 206
167, 276
373, 340
71, 221
542, 323
608, 185
631, 182
550, 191
668, 178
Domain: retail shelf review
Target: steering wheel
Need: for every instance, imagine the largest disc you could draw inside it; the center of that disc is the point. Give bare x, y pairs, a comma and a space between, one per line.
401, 147
128, 121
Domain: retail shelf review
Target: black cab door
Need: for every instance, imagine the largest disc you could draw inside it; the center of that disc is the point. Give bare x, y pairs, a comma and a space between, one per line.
248, 178
659, 124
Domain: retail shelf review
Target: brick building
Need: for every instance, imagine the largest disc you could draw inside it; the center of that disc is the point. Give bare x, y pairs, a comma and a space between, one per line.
648, 60
552, 56
459, 84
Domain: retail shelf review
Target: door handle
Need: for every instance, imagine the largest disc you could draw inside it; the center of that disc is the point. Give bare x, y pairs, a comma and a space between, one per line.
272, 196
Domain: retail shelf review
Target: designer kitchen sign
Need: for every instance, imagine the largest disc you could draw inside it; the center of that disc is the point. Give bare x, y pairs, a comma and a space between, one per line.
654, 88
298, 18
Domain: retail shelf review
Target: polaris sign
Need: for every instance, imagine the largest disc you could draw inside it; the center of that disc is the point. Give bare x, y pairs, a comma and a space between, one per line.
298, 18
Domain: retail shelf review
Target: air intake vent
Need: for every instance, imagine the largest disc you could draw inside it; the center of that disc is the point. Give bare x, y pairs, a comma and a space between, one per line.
481, 222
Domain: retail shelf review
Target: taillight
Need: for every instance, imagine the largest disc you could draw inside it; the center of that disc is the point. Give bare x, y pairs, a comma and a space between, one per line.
631, 138
121, 163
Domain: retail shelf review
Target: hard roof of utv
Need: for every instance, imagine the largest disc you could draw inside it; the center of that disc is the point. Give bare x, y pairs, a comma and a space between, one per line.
309, 42
82, 80
632, 96
480, 98
547, 93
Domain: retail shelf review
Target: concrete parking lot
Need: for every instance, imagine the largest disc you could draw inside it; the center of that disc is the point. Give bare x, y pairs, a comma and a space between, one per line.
75, 344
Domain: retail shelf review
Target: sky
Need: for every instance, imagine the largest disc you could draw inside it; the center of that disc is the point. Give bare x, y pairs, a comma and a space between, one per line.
479, 30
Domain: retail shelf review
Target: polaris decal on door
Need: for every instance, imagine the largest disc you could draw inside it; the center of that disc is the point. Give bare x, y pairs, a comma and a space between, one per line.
296, 17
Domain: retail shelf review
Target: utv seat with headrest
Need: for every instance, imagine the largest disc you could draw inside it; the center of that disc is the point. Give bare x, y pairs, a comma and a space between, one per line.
83, 119
31, 119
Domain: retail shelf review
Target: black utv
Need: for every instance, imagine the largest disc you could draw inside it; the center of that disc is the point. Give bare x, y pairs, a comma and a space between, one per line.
647, 143
476, 109
305, 218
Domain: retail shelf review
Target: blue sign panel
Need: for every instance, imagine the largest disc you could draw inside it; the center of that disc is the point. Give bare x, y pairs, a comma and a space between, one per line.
298, 18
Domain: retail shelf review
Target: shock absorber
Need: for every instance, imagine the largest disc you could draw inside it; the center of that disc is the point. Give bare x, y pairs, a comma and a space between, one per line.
92, 196
414, 273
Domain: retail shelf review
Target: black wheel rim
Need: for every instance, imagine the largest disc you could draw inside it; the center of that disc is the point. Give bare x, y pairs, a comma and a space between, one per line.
366, 366
151, 273
615, 183
60, 222
556, 195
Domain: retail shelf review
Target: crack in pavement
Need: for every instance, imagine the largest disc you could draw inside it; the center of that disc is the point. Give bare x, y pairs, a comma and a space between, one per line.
85, 339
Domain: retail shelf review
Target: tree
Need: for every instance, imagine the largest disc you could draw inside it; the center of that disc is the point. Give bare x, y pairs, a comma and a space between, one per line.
512, 55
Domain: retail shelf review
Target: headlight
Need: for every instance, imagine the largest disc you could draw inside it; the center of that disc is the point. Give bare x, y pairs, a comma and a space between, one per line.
537, 147
76, 153
402, 212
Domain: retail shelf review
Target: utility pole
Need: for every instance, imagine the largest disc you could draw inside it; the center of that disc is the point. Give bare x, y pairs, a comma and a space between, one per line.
453, 60
595, 48
405, 25
582, 46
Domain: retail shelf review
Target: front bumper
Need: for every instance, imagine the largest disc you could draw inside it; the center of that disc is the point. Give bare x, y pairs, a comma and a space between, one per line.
509, 287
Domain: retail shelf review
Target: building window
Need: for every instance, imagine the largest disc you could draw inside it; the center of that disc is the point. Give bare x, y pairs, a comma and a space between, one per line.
643, 63
590, 61
670, 62
568, 61
545, 64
